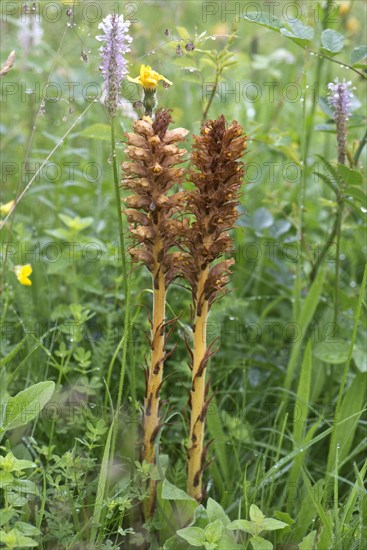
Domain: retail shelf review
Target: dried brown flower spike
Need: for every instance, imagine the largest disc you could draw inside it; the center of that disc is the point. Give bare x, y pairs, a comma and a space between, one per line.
150, 175
218, 176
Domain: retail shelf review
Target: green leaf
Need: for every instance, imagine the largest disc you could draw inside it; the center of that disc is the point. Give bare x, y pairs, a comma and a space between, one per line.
332, 41
351, 177
308, 542
97, 131
243, 525
6, 514
5, 479
215, 512
358, 54
332, 352
213, 531
183, 32
357, 194
256, 514
270, 524
264, 20
262, 219
26, 405
193, 535
27, 529
298, 32
171, 492
308, 309
15, 539
10, 463
258, 543
77, 223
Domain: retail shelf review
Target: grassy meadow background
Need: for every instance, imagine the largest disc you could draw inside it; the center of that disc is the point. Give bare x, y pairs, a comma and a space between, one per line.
288, 418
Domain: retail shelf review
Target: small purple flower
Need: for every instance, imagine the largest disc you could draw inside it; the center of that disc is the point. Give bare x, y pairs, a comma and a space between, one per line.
340, 99
114, 65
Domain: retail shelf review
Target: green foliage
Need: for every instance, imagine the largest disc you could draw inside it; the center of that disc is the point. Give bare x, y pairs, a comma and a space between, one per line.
288, 413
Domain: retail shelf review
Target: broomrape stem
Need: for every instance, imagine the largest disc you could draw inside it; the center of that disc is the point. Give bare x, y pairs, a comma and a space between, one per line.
197, 419
155, 374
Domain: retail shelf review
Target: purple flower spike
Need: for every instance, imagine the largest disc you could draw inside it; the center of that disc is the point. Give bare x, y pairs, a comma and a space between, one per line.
114, 65
340, 99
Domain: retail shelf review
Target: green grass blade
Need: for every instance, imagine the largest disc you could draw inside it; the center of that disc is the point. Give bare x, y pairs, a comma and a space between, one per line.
307, 312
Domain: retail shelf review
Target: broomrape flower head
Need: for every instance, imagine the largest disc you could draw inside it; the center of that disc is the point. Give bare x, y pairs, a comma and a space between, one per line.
148, 78
114, 66
22, 273
5, 208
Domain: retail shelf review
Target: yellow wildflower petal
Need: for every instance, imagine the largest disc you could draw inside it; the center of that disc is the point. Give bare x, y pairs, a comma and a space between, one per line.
5, 208
149, 78
22, 273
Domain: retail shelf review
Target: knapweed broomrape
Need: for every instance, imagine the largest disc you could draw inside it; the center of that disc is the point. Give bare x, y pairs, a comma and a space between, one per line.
155, 223
217, 175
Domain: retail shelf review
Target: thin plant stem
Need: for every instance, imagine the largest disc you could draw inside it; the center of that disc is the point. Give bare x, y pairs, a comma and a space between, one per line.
118, 206
197, 399
122, 247
339, 216
360, 149
155, 375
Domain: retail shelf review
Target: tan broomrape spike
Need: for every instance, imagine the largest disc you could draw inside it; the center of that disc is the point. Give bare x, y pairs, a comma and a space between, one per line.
150, 175
217, 178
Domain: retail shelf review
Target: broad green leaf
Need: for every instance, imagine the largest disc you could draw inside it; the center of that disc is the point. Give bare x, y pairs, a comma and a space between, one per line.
77, 223
171, 492
334, 353
258, 543
256, 514
10, 463
358, 54
5, 479
193, 535
270, 524
26, 405
332, 41
308, 542
243, 525
183, 32
6, 515
16, 539
213, 531
97, 131
358, 194
27, 529
298, 32
264, 20
351, 177
215, 511
262, 218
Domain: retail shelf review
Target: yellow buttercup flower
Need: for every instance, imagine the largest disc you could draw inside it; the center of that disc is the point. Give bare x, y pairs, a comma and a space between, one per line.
148, 78
22, 273
5, 208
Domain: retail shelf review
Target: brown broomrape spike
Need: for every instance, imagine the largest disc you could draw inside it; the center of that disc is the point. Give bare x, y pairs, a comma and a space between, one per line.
217, 177
153, 216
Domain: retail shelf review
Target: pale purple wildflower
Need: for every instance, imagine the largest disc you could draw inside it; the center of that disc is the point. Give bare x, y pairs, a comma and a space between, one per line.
340, 99
114, 65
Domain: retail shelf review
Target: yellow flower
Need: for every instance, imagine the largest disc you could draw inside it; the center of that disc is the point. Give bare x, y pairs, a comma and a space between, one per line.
149, 78
5, 208
22, 273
